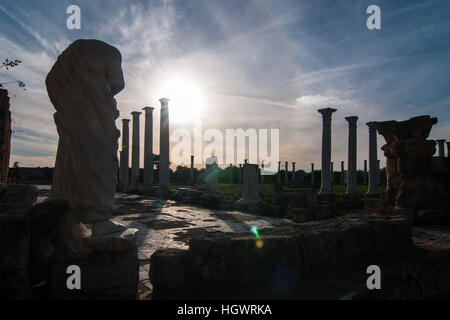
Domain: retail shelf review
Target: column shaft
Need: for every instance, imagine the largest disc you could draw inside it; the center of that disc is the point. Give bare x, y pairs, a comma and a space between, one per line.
326, 179
372, 158
135, 153
352, 155
125, 155
164, 145
148, 147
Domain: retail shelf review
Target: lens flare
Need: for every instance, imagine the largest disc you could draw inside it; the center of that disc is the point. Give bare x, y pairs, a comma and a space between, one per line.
254, 230
259, 243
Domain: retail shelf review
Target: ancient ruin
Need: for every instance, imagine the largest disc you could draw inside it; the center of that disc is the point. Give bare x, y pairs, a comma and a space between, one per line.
416, 179
5, 134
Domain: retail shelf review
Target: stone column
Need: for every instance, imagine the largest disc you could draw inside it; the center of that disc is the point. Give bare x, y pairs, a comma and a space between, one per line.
312, 173
125, 155
326, 182
192, 170
250, 186
278, 173
441, 145
332, 174
262, 171
135, 152
448, 149
240, 173
286, 173
351, 162
148, 147
342, 173
293, 172
365, 173
378, 172
164, 146
372, 190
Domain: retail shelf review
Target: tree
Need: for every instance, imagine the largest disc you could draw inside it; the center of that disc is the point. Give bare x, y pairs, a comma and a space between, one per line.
11, 64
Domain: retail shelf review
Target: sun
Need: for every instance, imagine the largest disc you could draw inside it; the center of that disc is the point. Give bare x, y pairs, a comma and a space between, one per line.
187, 98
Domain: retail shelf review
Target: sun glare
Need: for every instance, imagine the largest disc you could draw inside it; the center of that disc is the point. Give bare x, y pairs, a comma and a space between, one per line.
187, 98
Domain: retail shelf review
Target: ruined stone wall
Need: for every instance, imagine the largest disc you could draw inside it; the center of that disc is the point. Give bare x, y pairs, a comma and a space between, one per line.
236, 266
5, 134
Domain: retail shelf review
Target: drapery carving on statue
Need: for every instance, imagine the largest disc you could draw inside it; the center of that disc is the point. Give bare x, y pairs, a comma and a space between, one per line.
81, 85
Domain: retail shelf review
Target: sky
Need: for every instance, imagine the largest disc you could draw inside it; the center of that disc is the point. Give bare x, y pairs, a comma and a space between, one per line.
263, 64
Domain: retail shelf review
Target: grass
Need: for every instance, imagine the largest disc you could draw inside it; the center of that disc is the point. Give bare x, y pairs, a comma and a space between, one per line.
267, 190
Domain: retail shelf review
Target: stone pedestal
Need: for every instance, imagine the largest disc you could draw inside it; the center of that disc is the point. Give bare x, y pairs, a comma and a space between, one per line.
250, 186
211, 175
110, 271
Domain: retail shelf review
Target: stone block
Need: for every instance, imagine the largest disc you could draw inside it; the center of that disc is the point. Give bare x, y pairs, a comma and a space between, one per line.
17, 198
372, 205
45, 220
322, 211
104, 277
14, 285
300, 215
439, 165
14, 242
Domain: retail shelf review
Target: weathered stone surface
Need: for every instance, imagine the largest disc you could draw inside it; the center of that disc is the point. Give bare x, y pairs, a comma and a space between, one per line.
372, 205
81, 86
432, 216
272, 265
14, 242
5, 134
14, 249
300, 215
322, 211
103, 277
45, 219
17, 198
415, 179
424, 278
250, 186
168, 267
14, 285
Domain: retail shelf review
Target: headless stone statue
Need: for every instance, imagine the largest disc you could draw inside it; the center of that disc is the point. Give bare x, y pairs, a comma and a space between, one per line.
81, 85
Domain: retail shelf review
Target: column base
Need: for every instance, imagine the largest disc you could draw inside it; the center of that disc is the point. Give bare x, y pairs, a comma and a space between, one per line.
372, 195
351, 196
326, 197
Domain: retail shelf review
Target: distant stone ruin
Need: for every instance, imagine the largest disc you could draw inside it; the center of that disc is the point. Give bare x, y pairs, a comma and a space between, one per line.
5, 134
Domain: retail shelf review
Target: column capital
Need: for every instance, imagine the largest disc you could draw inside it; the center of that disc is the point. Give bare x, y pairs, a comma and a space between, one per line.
327, 112
136, 113
352, 119
148, 109
126, 121
441, 141
164, 102
372, 124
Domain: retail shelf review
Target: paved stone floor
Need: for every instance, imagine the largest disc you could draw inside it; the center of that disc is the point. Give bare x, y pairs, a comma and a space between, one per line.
168, 224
